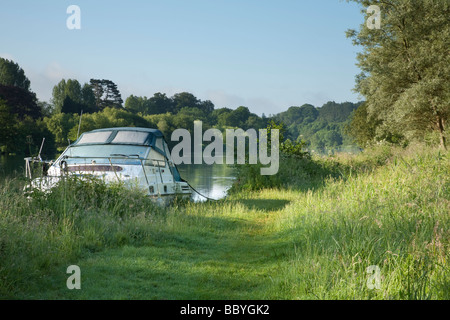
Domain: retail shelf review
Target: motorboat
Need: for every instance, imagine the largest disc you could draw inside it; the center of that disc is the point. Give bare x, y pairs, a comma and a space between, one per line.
132, 156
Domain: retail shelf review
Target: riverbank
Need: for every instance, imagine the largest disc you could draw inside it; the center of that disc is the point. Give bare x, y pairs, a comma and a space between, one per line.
313, 239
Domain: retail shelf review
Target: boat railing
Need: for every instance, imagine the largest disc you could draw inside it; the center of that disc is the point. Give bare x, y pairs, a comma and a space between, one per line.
32, 160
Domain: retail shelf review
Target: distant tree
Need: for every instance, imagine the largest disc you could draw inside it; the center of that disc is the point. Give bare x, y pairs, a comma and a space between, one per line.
88, 99
58, 95
336, 112
113, 97
71, 106
333, 138
70, 97
59, 124
20, 101
184, 99
238, 117
106, 94
46, 108
134, 104
98, 90
11, 74
160, 103
206, 106
8, 122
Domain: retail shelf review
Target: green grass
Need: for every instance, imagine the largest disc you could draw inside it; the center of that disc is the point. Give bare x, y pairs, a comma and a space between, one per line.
311, 236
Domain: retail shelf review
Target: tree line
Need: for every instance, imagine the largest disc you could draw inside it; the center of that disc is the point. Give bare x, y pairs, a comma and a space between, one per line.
405, 82
25, 120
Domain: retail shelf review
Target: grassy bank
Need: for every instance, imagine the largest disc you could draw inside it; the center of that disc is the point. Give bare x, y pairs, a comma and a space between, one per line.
310, 234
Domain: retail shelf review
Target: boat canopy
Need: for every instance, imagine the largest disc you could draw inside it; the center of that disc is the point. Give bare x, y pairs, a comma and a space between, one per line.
126, 136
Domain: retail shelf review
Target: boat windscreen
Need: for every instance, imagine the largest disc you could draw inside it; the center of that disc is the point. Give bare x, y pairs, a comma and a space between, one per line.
131, 137
95, 137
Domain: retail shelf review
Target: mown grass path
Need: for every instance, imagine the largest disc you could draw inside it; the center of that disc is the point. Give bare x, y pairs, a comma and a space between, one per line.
211, 257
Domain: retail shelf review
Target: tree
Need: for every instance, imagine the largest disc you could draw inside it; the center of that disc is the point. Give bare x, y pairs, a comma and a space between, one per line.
361, 127
184, 99
134, 104
70, 97
160, 103
59, 124
406, 67
88, 99
12, 75
106, 94
238, 117
206, 106
71, 106
20, 102
113, 97
8, 122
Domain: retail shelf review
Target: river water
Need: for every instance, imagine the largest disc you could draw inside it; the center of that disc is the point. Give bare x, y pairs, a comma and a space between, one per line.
211, 181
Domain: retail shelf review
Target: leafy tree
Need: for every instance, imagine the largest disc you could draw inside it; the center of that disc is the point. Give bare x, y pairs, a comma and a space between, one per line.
336, 112
88, 99
98, 90
59, 124
134, 104
58, 95
406, 67
70, 97
206, 106
106, 94
8, 122
184, 99
160, 103
361, 127
20, 101
11, 74
46, 108
71, 106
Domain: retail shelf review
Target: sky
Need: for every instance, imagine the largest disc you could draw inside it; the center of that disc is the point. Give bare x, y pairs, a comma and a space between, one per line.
267, 55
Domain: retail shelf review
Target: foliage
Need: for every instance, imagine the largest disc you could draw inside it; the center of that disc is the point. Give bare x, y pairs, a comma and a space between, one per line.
405, 67
106, 94
319, 128
70, 97
21, 102
99, 104
11, 74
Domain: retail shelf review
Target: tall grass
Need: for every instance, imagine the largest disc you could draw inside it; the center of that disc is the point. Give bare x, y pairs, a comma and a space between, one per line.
310, 233
393, 213
49, 229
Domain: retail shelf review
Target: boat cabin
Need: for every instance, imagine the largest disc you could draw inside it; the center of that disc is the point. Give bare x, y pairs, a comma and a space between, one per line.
131, 155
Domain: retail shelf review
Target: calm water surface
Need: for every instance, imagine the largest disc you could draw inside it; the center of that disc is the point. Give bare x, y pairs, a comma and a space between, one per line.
211, 181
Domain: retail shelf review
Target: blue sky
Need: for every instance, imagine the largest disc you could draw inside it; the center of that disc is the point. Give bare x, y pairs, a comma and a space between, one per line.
264, 54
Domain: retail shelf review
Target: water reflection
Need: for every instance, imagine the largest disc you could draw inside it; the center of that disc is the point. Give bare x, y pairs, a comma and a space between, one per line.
212, 181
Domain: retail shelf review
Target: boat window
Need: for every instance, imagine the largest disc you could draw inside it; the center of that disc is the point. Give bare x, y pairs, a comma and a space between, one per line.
159, 144
155, 159
130, 137
95, 137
